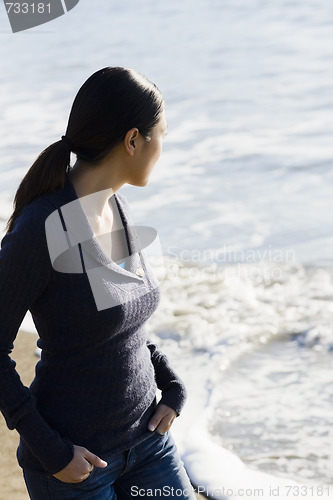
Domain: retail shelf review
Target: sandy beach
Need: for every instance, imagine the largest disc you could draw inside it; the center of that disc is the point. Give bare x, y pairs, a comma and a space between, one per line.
12, 485
11, 480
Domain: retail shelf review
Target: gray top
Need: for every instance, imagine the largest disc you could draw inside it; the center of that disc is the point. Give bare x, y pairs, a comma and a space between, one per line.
95, 385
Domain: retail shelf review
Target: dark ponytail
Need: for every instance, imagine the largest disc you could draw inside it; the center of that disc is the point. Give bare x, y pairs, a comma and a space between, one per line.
109, 103
46, 174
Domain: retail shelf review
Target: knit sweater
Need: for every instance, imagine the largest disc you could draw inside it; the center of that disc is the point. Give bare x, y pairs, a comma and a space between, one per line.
95, 384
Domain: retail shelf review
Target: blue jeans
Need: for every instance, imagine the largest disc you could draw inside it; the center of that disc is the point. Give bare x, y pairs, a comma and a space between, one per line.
152, 469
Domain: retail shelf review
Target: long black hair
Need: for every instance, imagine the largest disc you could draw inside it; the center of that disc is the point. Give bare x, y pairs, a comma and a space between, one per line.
111, 102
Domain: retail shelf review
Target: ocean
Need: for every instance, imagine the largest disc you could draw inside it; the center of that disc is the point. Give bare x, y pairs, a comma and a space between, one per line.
242, 201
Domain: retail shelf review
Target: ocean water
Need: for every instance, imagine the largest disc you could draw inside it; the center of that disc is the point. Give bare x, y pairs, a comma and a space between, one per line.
242, 201
259, 352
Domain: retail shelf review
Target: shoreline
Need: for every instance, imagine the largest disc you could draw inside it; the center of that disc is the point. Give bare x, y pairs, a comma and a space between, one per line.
12, 484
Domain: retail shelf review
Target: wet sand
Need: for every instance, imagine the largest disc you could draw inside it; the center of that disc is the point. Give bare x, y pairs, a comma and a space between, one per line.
12, 486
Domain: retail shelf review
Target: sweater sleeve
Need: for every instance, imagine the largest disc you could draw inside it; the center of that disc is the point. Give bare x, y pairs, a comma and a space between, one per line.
172, 388
24, 273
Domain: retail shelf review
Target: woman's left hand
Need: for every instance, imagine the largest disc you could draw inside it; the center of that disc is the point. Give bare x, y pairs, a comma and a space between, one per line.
162, 419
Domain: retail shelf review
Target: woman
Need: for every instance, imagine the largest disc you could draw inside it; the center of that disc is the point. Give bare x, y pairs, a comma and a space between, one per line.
90, 425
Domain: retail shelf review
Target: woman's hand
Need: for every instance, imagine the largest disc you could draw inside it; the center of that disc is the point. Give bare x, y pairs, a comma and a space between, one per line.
162, 419
80, 467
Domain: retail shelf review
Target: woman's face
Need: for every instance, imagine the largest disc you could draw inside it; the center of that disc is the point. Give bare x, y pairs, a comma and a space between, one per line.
150, 151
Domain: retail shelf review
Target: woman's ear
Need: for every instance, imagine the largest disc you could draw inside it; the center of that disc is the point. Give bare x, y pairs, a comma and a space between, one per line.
130, 141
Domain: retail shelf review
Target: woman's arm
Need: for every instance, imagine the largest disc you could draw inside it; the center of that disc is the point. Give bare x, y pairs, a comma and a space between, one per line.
24, 273
172, 388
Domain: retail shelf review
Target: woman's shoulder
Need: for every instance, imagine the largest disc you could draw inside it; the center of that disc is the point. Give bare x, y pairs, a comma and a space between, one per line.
27, 233
30, 223
37, 211
35, 214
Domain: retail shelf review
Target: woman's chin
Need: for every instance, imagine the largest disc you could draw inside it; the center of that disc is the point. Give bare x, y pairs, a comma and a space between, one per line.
139, 183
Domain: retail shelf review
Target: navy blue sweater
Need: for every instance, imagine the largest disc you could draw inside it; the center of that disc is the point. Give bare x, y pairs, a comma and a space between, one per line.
95, 385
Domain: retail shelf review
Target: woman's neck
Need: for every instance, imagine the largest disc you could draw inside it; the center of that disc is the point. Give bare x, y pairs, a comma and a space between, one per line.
93, 187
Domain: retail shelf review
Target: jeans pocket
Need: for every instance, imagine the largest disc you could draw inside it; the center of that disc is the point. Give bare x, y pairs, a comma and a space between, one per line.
73, 485
162, 434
